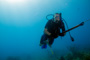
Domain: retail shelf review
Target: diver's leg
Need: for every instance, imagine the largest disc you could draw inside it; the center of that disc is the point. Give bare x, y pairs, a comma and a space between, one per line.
51, 40
43, 39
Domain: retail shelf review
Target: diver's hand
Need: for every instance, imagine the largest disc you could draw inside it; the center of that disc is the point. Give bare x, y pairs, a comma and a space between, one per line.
62, 34
49, 34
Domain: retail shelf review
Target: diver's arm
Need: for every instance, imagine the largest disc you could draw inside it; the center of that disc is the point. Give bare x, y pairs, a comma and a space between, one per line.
46, 32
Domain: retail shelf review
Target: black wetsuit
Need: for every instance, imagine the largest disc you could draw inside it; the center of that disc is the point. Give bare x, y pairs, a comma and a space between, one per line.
54, 29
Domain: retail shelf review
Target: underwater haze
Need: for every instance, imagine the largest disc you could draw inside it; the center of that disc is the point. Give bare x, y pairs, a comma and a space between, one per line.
22, 24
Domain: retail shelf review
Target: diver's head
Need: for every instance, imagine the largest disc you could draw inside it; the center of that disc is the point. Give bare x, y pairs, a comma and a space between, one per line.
57, 17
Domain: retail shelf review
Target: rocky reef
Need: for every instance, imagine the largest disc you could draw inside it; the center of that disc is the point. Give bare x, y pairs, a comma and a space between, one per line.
76, 54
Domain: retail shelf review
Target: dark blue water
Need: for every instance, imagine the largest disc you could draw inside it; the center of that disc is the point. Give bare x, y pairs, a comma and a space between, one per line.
22, 24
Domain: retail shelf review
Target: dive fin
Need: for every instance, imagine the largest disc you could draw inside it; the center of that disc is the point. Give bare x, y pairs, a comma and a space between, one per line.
44, 46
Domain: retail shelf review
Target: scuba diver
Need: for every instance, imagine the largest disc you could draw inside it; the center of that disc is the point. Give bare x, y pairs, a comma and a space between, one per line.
53, 29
